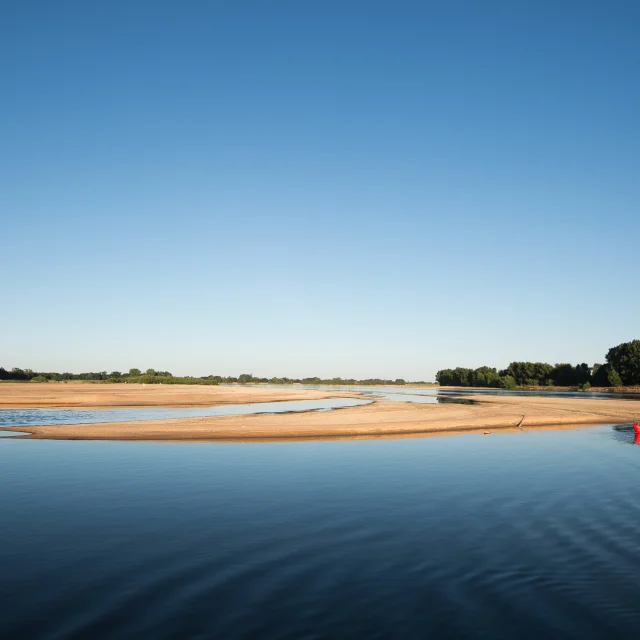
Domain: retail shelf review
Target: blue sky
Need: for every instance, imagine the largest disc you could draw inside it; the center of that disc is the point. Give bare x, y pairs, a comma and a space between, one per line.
330, 188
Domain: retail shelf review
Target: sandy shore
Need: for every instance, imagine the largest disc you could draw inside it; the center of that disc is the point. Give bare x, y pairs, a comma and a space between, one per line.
79, 394
381, 419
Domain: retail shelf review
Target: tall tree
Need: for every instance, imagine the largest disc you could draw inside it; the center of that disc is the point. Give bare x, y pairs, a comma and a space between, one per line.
625, 359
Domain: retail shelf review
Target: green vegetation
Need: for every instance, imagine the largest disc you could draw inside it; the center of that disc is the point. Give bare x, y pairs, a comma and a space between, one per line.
134, 376
151, 376
625, 360
161, 379
621, 369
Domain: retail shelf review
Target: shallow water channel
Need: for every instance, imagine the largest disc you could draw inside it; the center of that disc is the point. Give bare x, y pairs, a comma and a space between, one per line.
50, 416
18, 417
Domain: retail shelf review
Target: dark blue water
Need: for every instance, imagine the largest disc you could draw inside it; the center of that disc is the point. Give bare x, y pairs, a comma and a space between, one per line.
522, 535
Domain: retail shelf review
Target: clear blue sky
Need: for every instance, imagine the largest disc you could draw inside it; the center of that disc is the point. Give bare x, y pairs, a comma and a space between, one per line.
333, 188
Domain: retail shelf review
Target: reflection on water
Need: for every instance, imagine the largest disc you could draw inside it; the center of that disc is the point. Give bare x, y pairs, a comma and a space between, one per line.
455, 400
419, 395
626, 434
396, 393
561, 394
521, 535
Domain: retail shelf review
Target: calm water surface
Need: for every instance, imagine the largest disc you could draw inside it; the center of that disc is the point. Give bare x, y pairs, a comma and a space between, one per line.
525, 535
19, 417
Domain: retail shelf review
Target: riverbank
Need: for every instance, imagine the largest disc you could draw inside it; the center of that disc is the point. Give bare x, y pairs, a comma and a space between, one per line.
82, 395
380, 419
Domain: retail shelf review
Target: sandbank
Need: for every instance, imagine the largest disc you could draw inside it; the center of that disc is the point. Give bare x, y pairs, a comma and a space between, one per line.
85, 394
380, 419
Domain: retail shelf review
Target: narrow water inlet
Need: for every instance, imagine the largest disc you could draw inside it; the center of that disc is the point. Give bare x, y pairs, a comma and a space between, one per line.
22, 417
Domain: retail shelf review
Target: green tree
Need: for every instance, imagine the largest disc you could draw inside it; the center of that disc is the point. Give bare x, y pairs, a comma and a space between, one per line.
613, 378
625, 359
528, 373
563, 375
600, 377
134, 373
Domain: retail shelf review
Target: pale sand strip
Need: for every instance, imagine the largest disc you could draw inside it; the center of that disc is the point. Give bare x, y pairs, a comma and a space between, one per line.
82, 394
381, 419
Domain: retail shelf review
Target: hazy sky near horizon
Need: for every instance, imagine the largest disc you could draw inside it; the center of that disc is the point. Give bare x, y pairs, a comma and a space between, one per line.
329, 188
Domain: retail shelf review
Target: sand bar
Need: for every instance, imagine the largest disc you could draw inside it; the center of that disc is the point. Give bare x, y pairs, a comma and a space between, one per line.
82, 394
380, 419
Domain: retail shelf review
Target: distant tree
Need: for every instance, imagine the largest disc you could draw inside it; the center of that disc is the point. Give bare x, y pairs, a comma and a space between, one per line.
625, 359
461, 377
134, 373
399, 381
444, 377
600, 377
528, 373
606, 376
485, 377
563, 375
509, 382
583, 374
150, 372
243, 378
39, 379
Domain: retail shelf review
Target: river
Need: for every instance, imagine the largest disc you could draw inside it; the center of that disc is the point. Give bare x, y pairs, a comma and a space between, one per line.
514, 535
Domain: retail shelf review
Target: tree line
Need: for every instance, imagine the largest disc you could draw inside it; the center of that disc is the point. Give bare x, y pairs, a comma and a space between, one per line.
622, 367
151, 376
